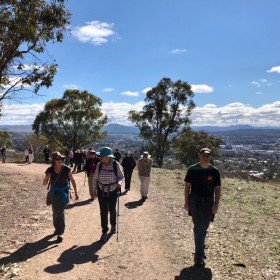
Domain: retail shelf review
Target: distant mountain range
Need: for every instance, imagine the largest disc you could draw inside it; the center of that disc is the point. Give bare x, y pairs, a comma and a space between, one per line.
114, 128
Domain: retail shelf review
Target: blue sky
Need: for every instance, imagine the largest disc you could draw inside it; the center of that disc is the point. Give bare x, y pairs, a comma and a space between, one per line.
228, 51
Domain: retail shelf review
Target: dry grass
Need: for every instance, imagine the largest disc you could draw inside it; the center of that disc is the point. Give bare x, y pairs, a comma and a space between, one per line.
244, 240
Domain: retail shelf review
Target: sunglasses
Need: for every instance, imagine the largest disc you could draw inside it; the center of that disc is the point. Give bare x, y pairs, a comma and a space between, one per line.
58, 159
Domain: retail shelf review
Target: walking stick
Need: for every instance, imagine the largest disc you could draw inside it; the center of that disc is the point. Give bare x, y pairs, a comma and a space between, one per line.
85, 178
118, 214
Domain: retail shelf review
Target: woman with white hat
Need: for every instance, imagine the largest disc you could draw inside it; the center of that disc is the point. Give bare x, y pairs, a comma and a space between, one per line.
144, 171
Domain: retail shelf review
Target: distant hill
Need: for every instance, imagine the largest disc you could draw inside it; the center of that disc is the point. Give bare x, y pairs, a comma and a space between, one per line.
17, 128
110, 128
114, 128
222, 128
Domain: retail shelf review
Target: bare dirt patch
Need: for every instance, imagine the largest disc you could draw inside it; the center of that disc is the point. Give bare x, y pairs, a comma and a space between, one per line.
155, 238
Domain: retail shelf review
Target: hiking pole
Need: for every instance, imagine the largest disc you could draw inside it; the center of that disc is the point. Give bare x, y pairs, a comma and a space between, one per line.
118, 214
85, 178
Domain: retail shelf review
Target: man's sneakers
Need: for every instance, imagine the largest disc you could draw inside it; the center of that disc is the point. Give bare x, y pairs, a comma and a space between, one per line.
104, 237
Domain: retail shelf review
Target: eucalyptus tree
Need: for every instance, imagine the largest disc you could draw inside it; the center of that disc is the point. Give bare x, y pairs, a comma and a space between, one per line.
74, 121
168, 107
5, 139
187, 145
26, 28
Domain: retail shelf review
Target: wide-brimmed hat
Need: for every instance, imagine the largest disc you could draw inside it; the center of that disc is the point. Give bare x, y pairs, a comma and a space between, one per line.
92, 152
105, 152
146, 155
57, 155
205, 151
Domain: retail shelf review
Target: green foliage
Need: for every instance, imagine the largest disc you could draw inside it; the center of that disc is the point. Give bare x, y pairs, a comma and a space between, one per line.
26, 27
187, 146
74, 120
168, 107
5, 139
38, 143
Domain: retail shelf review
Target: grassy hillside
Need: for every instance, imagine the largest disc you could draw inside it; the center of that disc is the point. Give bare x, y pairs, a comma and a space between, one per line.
244, 240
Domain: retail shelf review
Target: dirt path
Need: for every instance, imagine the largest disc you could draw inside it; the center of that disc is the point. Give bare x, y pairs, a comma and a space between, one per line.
155, 239
140, 253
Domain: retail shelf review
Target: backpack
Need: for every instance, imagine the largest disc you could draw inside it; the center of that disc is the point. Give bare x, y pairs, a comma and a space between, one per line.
115, 167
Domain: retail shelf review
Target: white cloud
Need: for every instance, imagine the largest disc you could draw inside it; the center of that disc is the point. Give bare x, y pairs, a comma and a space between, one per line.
118, 112
29, 67
178, 51
260, 82
71, 86
237, 113
274, 69
207, 115
14, 80
257, 84
108, 89
20, 114
145, 90
130, 93
94, 32
202, 88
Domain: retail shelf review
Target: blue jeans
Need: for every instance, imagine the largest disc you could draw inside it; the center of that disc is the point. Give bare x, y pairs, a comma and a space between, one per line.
201, 212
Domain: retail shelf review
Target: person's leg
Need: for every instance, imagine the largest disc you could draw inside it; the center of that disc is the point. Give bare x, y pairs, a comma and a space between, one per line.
129, 174
103, 205
75, 167
142, 179
146, 186
201, 216
58, 208
112, 199
79, 167
90, 184
125, 173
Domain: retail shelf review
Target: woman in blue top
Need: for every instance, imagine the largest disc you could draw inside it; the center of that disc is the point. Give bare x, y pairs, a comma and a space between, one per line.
59, 176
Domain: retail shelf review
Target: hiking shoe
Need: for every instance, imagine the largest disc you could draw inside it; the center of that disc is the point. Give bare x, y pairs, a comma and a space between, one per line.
113, 230
59, 239
199, 263
104, 237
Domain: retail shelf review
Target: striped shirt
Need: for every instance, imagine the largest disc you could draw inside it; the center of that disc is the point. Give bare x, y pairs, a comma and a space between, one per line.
106, 179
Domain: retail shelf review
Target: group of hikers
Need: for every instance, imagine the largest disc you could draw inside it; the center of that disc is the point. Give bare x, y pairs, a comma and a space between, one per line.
106, 171
105, 175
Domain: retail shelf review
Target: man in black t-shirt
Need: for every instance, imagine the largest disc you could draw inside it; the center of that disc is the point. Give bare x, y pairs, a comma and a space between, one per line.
202, 197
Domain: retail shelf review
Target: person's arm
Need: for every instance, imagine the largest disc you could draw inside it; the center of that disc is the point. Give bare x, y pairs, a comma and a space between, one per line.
187, 193
73, 184
217, 192
95, 179
46, 179
120, 175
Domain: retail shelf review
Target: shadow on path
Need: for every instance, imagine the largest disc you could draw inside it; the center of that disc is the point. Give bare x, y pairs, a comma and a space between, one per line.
76, 255
30, 250
195, 273
134, 204
79, 203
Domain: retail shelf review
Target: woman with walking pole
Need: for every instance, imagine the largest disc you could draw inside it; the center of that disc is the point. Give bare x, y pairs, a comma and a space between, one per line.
107, 183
